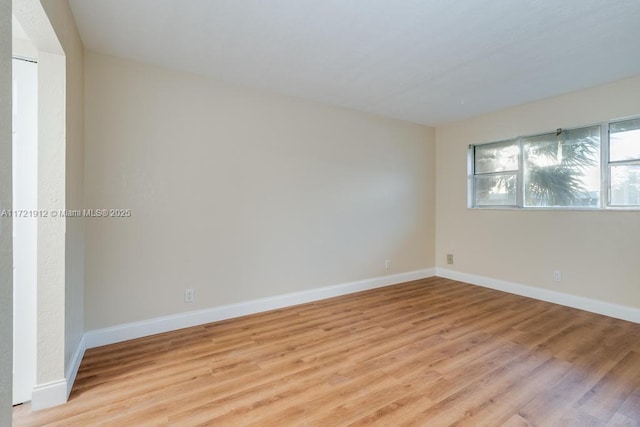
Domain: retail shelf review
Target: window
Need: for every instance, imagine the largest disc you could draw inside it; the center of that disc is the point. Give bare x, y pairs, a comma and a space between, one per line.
624, 163
496, 168
562, 169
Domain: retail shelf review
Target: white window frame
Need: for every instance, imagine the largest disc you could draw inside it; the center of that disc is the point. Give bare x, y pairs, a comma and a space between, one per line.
607, 163
605, 173
517, 172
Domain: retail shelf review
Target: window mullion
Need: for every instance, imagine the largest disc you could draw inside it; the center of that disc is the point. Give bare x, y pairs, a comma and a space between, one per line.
605, 169
625, 162
520, 175
505, 172
471, 182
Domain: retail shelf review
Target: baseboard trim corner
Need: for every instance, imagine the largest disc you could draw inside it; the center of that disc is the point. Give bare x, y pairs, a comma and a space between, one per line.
50, 394
128, 331
631, 314
56, 393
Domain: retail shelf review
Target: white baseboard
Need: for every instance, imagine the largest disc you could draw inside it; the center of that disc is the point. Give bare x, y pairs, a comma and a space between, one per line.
50, 394
128, 331
72, 370
57, 392
631, 314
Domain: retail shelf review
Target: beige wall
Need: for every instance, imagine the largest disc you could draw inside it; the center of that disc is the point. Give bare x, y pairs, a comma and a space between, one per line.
597, 252
64, 25
51, 29
240, 194
51, 231
51, 145
6, 263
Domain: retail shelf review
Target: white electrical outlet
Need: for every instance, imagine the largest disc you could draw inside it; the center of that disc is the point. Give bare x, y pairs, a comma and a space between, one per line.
557, 275
449, 258
188, 295
387, 264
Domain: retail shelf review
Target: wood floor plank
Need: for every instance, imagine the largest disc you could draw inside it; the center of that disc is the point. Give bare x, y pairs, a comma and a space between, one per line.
499, 407
576, 418
608, 395
620, 420
631, 407
516, 421
457, 408
562, 395
432, 352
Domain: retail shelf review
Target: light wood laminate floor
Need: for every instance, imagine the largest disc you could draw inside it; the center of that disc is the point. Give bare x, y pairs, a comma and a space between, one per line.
434, 352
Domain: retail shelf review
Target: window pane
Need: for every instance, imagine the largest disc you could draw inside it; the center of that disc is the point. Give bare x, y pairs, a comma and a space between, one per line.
563, 170
624, 141
495, 190
496, 158
625, 185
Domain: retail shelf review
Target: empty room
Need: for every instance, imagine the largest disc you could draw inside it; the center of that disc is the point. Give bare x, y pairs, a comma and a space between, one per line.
320, 213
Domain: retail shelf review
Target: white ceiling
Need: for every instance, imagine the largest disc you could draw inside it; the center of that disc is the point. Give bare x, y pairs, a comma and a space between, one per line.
425, 61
